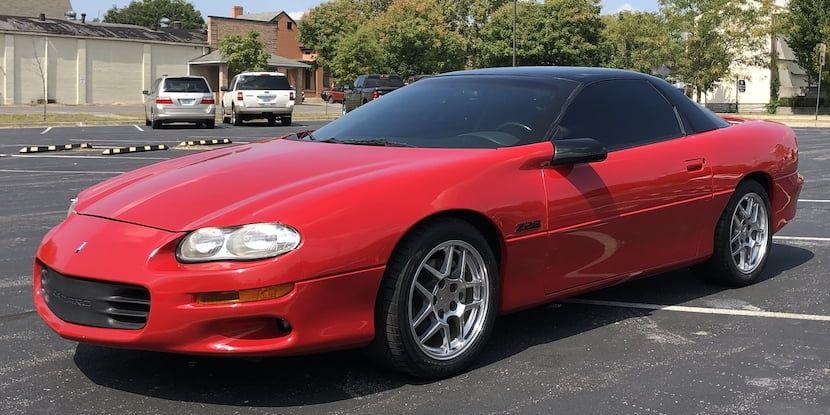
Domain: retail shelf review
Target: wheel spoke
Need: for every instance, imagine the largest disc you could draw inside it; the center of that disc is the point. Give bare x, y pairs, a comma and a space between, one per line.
431, 332
445, 337
428, 295
423, 315
435, 273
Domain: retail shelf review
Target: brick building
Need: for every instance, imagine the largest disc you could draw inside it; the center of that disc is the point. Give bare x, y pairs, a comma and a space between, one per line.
279, 34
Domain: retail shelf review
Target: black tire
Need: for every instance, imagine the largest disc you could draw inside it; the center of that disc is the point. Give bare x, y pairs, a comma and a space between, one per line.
394, 345
272, 121
156, 124
147, 122
235, 119
225, 119
210, 124
286, 121
721, 267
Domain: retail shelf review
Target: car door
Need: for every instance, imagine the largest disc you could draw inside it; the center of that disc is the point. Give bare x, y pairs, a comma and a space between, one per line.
353, 96
641, 209
150, 97
228, 96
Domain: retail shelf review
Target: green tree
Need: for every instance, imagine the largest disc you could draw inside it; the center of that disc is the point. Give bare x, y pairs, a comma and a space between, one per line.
328, 24
556, 32
410, 37
806, 25
471, 18
243, 53
147, 13
361, 54
638, 41
711, 37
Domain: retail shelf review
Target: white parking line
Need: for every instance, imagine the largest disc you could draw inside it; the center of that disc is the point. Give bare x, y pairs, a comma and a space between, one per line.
814, 200
62, 171
46, 130
137, 127
801, 238
86, 157
701, 310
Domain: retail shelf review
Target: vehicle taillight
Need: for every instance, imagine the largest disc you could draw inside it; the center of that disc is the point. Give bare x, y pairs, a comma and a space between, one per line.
239, 96
208, 101
375, 95
291, 95
164, 100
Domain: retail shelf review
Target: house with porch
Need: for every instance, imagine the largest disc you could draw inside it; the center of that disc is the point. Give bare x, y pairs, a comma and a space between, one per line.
279, 34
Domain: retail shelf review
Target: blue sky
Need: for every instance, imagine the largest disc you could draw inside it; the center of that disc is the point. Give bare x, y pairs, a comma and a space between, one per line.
296, 7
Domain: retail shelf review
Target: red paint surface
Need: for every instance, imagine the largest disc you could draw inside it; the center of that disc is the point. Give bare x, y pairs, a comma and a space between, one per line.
643, 210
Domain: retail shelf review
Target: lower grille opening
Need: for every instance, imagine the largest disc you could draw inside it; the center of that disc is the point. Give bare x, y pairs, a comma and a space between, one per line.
95, 303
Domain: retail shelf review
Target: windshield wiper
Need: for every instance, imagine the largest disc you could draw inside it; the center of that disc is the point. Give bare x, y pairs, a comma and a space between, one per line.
380, 142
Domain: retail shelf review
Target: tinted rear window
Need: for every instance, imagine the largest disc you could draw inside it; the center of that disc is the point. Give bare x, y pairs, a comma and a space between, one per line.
264, 82
196, 85
620, 113
390, 82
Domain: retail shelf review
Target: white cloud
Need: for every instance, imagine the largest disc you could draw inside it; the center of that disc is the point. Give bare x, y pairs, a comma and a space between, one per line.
625, 7
297, 15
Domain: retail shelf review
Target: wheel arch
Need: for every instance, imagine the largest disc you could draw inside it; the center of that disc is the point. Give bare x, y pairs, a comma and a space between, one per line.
764, 179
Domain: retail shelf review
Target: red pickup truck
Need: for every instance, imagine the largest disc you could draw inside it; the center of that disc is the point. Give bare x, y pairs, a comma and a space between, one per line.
333, 95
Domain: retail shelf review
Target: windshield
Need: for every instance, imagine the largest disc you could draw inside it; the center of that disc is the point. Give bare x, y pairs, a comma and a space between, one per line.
263, 82
457, 112
186, 85
390, 82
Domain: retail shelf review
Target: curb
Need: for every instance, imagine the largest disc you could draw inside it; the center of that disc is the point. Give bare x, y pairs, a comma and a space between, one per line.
139, 149
206, 142
62, 147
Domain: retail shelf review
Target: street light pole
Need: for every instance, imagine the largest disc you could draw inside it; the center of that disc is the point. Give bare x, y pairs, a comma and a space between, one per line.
514, 31
822, 51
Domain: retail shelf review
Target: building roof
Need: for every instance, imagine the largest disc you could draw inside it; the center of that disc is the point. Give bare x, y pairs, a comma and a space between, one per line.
70, 28
54, 9
264, 16
273, 60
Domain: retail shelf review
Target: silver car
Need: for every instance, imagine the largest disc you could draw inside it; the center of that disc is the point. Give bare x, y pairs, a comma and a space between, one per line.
179, 99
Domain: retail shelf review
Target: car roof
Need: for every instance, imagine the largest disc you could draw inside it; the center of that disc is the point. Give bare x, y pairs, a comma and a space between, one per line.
573, 73
261, 73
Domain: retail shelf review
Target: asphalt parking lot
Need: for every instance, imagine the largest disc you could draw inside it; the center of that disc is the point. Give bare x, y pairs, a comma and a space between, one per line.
577, 357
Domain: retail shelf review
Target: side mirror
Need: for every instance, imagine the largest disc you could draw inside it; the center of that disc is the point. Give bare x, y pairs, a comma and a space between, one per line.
145, 92
577, 150
223, 88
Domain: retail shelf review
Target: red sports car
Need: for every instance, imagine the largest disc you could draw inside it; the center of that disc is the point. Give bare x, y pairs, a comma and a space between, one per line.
408, 225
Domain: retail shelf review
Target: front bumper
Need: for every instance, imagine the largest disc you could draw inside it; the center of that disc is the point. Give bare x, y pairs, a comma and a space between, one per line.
331, 312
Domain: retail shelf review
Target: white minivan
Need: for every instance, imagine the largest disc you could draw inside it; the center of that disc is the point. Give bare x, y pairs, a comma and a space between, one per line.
263, 95
179, 99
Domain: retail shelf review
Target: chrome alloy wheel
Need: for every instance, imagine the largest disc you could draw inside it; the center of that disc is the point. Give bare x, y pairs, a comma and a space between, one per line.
448, 300
749, 233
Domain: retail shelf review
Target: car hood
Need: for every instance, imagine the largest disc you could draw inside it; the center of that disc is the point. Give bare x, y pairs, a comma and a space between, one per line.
231, 186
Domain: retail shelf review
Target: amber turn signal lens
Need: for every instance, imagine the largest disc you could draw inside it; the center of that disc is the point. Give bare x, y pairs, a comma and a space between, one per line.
245, 296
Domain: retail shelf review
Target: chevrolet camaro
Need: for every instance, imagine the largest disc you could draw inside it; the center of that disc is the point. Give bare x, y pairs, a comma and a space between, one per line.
408, 225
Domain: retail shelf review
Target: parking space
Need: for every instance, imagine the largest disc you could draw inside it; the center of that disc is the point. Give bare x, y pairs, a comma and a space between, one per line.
608, 352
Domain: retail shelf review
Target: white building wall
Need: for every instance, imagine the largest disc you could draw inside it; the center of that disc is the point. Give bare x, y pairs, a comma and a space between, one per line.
85, 71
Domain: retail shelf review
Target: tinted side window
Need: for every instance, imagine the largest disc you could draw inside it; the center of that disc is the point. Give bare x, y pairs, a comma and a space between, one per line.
619, 114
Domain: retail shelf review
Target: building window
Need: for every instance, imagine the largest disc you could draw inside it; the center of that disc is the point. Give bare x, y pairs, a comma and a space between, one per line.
290, 25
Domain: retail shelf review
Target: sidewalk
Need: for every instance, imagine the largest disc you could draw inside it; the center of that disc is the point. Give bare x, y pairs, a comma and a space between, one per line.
789, 119
72, 115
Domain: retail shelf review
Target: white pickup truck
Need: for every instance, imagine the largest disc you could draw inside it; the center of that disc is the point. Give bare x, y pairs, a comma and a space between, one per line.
253, 95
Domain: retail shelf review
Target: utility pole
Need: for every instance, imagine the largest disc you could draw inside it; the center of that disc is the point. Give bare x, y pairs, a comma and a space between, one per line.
822, 51
514, 31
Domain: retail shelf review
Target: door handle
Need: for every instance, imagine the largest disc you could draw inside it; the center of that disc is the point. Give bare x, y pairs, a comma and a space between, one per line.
695, 164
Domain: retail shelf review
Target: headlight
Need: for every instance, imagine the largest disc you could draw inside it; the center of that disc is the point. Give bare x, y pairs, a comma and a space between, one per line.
247, 242
72, 203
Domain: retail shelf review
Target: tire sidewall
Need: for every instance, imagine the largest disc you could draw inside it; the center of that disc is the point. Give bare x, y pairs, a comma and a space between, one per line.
744, 189
432, 238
